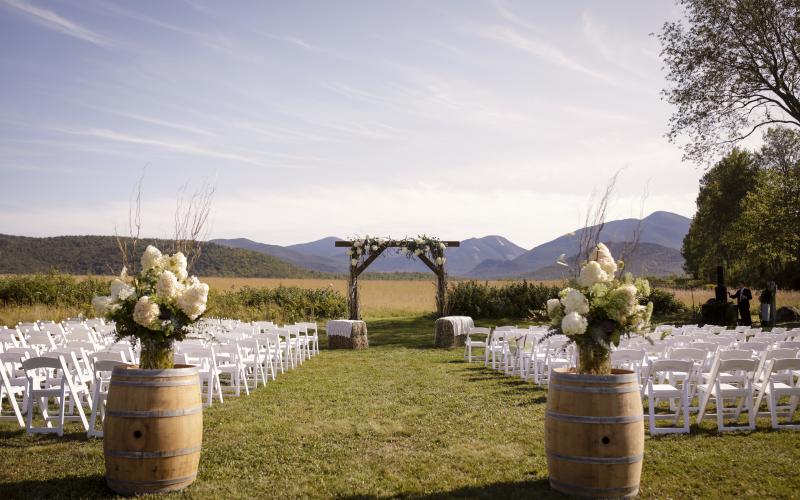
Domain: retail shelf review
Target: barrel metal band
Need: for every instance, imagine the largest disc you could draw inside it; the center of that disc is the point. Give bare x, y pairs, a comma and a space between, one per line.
162, 482
184, 371
155, 413
155, 383
153, 454
595, 390
580, 419
597, 379
623, 491
632, 459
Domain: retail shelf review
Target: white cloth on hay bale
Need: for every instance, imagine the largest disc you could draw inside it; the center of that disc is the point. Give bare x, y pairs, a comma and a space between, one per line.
461, 324
341, 327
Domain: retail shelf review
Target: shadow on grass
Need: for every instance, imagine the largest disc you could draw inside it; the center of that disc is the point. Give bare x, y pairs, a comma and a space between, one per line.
93, 486
7, 438
539, 488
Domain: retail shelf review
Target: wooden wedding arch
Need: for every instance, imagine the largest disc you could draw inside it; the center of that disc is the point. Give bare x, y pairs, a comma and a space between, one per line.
364, 251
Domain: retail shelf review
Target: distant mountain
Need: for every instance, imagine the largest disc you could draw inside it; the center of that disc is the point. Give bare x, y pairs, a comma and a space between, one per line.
288, 254
648, 259
99, 255
322, 255
664, 229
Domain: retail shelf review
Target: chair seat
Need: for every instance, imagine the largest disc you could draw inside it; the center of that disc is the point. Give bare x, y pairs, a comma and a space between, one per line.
666, 391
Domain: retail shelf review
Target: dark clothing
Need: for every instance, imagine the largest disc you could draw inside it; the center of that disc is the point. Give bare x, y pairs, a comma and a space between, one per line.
743, 297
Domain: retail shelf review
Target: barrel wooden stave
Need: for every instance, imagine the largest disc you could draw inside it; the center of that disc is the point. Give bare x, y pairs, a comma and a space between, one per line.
153, 430
594, 434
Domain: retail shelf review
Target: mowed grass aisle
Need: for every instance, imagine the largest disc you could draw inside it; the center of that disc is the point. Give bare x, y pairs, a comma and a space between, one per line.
400, 419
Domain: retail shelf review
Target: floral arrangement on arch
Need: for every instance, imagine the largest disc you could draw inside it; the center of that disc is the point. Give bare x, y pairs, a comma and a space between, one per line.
430, 246
599, 308
156, 306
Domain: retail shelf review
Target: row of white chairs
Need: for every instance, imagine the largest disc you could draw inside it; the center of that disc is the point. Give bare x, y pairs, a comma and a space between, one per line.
68, 379
709, 364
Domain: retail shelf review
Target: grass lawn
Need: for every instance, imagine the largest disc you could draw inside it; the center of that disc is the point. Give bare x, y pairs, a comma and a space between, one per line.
400, 419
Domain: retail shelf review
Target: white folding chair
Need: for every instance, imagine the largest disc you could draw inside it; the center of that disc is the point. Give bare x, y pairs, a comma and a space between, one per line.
738, 386
11, 385
101, 373
662, 385
229, 362
49, 377
471, 343
778, 382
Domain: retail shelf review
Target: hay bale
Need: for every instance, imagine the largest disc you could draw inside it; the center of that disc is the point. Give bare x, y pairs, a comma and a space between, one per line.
357, 339
445, 336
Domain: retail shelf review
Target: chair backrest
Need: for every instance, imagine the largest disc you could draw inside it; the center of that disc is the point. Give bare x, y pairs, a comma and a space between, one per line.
794, 344
735, 354
106, 365
627, 355
41, 339
670, 366
35, 363
783, 364
115, 356
737, 365
504, 328
688, 354
478, 330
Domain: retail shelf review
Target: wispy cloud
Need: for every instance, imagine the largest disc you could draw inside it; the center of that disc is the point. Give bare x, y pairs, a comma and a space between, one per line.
53, 21
553, 55
160, 122
177, 146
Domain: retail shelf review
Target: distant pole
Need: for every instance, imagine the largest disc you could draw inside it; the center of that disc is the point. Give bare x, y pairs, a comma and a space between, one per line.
773, 303
352, 291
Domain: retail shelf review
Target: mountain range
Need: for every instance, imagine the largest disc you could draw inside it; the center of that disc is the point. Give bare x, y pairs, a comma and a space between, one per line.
658, 253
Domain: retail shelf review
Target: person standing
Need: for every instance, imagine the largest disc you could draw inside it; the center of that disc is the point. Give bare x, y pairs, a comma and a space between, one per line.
743, 297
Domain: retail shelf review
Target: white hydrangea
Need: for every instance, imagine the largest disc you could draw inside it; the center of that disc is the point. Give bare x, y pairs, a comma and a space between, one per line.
574, 324
168, 285
442, 246
192, 300
374, 247
101, 305
177, 264
439, 261
151, 258
354, 262
575, 301
417, 252
592, 273
145, 312
553, 308
121, 290
602, 255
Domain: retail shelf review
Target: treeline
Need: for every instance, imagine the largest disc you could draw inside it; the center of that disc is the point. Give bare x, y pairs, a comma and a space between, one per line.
99, 255
282, 304
748, 215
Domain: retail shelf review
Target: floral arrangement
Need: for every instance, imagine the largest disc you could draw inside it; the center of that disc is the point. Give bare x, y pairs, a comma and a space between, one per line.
156, 307
430, 246
599, 308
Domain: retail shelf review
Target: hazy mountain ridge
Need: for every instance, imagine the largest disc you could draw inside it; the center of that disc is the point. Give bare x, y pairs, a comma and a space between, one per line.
99, 255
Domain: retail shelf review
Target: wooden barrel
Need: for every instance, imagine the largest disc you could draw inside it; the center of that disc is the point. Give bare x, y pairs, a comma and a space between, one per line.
153, 429
594, 434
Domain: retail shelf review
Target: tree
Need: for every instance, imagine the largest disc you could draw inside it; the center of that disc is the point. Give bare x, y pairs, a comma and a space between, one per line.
722, 189
767, 231
734, 67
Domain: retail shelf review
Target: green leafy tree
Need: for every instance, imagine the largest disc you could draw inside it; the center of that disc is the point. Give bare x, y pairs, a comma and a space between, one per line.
733, 67
722, 189
766, 235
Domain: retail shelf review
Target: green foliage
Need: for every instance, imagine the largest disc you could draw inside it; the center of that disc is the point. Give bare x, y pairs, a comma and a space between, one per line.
514, 300
282, 304
748, 216
99, 255
665, 302
721, 313
50, 289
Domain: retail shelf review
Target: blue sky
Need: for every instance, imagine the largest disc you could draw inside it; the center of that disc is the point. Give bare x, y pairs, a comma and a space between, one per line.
453, 118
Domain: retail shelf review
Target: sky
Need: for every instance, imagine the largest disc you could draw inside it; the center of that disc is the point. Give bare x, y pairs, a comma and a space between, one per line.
452, 118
